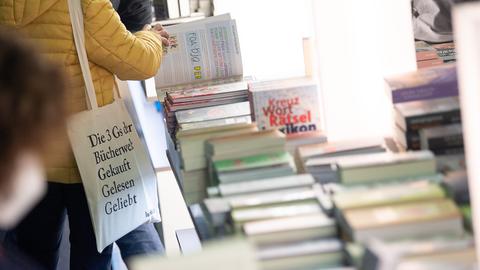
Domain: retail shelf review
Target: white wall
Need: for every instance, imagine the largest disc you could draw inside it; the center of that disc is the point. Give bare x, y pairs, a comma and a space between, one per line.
270, 33
358, 43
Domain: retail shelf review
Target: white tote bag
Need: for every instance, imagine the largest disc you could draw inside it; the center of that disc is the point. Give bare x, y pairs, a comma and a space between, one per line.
117, 174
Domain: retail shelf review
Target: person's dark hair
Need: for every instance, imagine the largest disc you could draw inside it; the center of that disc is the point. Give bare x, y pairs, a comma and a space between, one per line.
32, 95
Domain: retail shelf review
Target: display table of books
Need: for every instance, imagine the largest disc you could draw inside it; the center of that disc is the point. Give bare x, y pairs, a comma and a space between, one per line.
253, 164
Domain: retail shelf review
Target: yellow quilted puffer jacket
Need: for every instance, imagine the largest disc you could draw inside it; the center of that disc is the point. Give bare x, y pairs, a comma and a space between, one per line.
110, 47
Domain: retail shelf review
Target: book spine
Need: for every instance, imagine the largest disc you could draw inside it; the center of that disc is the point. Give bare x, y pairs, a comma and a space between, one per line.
252, 104
448, 151
431, 91
426, 55
416, 123
413, 140
445, 142
447, 54
429, 63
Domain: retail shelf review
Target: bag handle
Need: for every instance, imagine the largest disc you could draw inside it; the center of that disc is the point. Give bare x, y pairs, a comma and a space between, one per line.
76, 17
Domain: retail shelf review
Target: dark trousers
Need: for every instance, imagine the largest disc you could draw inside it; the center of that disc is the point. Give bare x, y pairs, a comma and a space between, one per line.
143, 240
39, 235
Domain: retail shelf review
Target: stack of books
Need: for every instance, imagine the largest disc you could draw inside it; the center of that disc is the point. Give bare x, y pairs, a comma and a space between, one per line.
427, 114
442, 252
301, 221
204, 93
371, 168
248, 156
391, 211
329, 152
206, 106
193, 174
430, 55
303, 202
283, 217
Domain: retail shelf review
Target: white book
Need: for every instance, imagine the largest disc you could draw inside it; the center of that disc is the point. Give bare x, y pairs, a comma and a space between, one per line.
386, 166
241, 216
342, 148
213, 112
226, 254
266, 184
272, 197
283, 225
201, 50
299, 249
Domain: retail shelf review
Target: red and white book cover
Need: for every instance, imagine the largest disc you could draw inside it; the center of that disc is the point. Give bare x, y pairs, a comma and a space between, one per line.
290, 105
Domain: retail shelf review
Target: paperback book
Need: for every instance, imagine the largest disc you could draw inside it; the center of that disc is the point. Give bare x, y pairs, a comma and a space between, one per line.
426, 83
199, 51
290, 105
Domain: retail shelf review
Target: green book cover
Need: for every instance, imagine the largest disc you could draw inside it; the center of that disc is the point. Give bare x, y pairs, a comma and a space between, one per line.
250, 162
388, 194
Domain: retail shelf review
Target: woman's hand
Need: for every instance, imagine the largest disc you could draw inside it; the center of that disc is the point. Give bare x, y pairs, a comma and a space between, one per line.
161, 33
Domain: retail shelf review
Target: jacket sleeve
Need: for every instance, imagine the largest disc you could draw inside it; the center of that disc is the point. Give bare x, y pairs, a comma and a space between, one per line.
110, 45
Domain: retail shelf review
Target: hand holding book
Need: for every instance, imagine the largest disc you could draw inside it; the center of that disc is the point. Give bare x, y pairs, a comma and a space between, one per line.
160, 32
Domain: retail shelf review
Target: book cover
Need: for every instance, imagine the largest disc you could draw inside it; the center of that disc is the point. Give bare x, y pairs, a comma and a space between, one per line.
442, 138
388, 194
322, 246
403, 213
275, 197
285, 182
241, 216
162, 92
446, 51
341, 148
207, 92
236, 144
425, 51
201, 50
409, 140
215, 123
430, 63
250, 162
427, 113
386, 166
426, 83
214, 112
197, 104
291, 105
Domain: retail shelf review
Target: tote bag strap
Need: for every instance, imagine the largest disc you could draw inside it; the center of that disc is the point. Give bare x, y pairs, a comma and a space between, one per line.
76, 17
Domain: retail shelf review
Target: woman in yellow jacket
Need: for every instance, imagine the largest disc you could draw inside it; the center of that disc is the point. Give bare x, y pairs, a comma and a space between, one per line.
111, 50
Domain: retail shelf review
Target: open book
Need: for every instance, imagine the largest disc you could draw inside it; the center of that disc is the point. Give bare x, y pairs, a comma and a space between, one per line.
199, 52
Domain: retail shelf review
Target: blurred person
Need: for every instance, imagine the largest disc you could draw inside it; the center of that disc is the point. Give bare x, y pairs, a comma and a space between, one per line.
135, 14
112, 50
31, 111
